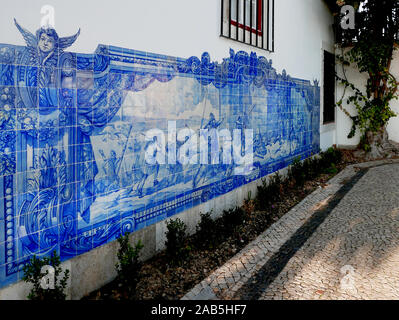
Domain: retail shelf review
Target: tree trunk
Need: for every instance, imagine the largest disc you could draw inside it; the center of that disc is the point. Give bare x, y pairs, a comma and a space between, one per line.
380, 145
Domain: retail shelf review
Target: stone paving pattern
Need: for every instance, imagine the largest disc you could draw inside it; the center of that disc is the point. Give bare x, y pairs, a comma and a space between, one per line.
353, 254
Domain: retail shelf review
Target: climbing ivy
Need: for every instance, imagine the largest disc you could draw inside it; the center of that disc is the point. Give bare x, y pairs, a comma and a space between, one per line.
370, 49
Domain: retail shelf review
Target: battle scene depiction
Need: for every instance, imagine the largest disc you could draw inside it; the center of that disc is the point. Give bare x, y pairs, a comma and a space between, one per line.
73, 174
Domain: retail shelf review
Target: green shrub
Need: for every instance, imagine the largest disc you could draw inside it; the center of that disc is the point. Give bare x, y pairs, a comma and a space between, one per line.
329, 157
128, 266
207, 232
317, 166
177, 247
232, 218
310, 168
332, 169
35, 273
296, 172
249, 204
299, 172
269, 192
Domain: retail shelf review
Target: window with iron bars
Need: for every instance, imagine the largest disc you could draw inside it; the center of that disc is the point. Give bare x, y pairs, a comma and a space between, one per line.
248, 21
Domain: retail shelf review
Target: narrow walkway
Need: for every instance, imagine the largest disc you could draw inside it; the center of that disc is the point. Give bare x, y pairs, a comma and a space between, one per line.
341, 242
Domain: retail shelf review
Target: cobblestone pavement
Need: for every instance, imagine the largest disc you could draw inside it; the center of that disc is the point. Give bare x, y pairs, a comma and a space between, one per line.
341, 242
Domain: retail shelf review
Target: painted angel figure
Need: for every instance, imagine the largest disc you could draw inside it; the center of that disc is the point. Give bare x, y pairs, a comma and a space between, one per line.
66, 117
42, 67
45, 47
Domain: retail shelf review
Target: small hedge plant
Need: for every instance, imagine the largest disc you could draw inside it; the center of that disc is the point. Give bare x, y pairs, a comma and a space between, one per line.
177, 247
46, 285
207, 232
298, 173
128, 266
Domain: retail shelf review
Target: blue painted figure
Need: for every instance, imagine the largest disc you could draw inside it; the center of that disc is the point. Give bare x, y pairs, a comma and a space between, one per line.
111, 167
152, 147
207, 170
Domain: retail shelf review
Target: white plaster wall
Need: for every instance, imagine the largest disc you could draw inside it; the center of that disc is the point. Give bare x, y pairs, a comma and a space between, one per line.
328, 136
393, 125
344, 123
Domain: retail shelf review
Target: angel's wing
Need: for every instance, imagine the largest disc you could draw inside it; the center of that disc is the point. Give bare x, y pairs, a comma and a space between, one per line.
66, 42
30, 40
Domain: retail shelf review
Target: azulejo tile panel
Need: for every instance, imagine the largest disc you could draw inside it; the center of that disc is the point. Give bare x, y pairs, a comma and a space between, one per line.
73, 174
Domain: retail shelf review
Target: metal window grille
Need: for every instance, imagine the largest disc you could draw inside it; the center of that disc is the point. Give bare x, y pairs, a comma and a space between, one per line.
248, 21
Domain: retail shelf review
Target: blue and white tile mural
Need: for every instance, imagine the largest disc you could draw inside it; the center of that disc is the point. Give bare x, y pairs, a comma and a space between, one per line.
74, 139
